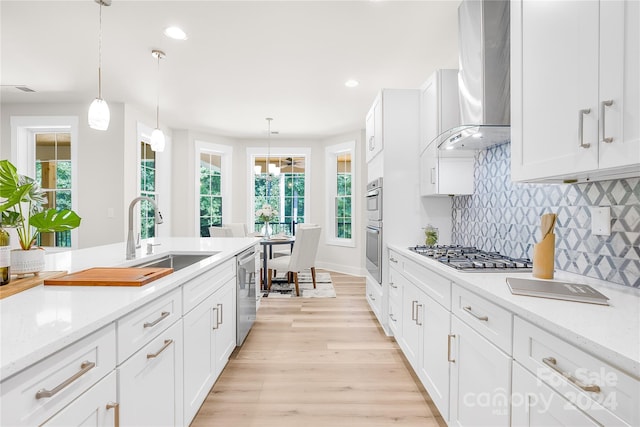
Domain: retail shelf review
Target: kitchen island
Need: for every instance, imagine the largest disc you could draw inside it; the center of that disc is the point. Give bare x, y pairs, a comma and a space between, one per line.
44, 322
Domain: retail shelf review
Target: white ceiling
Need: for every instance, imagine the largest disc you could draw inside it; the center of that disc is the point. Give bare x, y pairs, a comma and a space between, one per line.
243, 61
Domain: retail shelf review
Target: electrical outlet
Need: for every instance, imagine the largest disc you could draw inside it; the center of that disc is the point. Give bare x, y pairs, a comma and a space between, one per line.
601, 220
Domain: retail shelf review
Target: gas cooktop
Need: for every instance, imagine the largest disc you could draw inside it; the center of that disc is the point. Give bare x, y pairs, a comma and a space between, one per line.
466, 258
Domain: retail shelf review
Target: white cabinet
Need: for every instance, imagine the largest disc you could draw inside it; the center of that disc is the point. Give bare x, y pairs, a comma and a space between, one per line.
442, 172
96, 407
374, 297
535, 404
373, 129
150, 382
411, 338
580, 380
396, 289
51, 385
575, 94
209, 339
480, 379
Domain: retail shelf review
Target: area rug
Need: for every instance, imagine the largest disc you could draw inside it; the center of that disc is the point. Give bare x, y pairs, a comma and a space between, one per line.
324, 287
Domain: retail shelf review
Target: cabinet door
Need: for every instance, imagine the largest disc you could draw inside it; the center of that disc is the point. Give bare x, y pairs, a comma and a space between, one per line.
373, 129
411, 339
225, 328
199, 355
95, 407
370, 133
480, 380
534, 404
150, 382
429, 171
619, 139
554, 69
434, 366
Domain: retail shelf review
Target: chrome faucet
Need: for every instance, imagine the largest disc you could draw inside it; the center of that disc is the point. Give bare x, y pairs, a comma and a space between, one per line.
131, 247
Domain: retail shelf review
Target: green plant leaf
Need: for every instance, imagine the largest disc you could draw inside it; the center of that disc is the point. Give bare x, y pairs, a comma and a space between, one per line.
8, 179
20, 194
10, 219
52, 220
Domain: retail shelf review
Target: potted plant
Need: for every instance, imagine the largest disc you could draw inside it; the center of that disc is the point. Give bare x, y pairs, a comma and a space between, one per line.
22, 208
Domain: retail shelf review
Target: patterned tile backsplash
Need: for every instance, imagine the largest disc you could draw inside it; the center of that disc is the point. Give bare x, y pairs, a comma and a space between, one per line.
505, 217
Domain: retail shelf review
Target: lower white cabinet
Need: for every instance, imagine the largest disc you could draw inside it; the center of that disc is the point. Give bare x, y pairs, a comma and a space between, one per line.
150, 382
96, 407
209, 339
480, 379
374, 297
535, 404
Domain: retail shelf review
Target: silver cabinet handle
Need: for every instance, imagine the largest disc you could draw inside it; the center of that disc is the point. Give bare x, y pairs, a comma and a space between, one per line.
581, 114
433, 175
393, 260
449, 338
603, 106
116, 413
215, 315
163, 315
393, 286
220, 316
468, 310
391, 317
551, 362
372, 142
413, 310
85, 367
167, 343
417, 314
372, 297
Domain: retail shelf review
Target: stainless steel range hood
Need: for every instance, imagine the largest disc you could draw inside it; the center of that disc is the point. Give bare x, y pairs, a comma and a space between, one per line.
483, 77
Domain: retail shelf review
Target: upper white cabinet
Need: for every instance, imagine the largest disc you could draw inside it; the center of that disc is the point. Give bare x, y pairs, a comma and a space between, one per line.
373, 129
575, 91
442, 172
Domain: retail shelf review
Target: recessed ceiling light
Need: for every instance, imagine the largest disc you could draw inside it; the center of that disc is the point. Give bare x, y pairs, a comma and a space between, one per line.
351, 83
175, 33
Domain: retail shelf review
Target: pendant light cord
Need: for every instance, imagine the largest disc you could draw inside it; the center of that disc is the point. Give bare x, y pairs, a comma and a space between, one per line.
100, 56
158, 96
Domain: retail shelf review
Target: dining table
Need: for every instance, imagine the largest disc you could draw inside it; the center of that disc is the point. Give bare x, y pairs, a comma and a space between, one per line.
267, 253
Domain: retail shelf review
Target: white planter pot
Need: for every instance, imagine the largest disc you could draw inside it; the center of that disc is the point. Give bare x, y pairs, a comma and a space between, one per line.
27, 262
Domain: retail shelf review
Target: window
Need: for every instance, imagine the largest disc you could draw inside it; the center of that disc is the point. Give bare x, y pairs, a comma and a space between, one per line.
53, 173
210, 192
284, 188
340, 184
148, 177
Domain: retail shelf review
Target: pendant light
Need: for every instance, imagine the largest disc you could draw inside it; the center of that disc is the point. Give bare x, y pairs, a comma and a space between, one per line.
157, 137
98, 116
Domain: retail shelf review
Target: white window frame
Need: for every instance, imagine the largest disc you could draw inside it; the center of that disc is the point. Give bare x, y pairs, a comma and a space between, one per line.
253, 152
226, 160
331, 173
23, 153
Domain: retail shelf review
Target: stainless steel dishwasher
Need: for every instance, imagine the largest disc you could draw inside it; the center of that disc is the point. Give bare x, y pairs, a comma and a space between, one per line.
245, 293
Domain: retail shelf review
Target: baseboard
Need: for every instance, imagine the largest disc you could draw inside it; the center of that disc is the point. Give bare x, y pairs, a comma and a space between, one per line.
339, 268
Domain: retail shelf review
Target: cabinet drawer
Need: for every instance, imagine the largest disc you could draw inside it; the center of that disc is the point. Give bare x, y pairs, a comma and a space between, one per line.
40, 391
489, 320
395, 318
140, 326
196, 290
434, 285
395, 285
374, 296
573, 372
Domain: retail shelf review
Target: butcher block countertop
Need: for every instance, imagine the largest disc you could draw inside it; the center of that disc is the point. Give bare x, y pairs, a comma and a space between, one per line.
44, 319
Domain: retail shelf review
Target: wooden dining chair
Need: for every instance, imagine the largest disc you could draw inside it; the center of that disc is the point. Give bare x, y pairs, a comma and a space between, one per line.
303, 256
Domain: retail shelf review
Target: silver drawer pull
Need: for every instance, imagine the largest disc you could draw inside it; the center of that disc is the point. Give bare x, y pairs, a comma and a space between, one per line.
413, 310
85, 367
468, 310
215, 315
392, 259
167, 343
220, 317
604, 104
116, 413
417, 313
391, 317
163, 315
393, 286
551, 362
449, 359
581, 114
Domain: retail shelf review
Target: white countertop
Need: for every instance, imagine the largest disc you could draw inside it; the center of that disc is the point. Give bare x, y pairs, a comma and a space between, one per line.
611, 333
44, 319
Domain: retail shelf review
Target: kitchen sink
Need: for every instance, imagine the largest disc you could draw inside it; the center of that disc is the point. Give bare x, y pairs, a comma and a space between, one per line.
177, 261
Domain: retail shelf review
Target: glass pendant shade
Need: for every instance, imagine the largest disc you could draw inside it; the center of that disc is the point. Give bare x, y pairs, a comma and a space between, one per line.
157, 140
99, 115
274, 170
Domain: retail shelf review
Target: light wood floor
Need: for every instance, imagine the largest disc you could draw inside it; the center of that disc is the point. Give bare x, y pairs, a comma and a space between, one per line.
318, 362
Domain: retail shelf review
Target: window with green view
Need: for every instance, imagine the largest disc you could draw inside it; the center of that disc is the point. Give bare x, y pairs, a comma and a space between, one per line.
343, 196
210, 192
148, 179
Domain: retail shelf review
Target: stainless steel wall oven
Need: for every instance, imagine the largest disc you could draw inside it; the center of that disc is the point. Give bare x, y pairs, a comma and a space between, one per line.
374, 229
